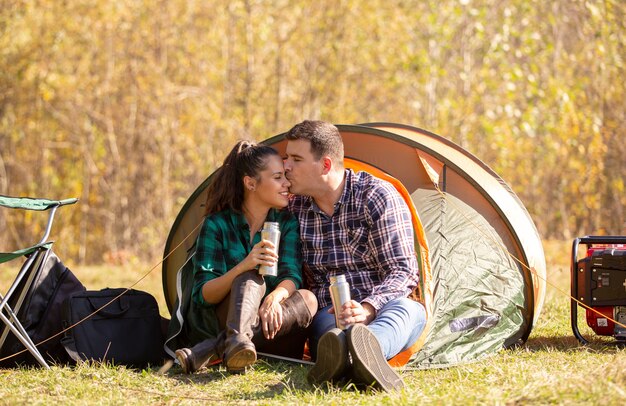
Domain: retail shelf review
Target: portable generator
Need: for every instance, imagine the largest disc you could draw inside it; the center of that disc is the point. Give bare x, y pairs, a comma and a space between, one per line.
599, 282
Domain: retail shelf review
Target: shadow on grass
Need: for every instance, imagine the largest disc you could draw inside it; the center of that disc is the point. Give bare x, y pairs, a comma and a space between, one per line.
570, 343
281, 378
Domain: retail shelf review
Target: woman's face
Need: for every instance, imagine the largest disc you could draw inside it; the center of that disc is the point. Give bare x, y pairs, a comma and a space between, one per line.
272, 187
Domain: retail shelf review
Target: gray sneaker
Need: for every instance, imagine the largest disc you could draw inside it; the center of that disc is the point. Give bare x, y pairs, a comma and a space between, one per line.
332, 358
369, 365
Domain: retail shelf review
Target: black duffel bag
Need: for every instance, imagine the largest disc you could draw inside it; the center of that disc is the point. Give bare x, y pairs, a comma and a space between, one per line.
114, 325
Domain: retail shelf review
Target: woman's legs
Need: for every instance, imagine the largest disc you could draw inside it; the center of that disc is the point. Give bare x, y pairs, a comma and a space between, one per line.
246, 294
237, 315
298, 311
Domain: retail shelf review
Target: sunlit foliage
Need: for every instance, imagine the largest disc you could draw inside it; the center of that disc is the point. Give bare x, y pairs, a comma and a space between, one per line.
130, 104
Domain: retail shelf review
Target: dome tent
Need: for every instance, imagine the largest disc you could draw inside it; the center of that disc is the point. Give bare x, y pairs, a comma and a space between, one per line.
482, 263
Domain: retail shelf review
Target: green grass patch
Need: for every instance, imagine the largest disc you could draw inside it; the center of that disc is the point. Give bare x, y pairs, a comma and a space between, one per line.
551, 368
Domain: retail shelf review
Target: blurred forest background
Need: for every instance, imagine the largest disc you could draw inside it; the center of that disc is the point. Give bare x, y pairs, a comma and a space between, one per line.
130, 104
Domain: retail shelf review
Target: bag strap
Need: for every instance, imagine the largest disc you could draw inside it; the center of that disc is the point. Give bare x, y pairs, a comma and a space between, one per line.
106, 312
70, 347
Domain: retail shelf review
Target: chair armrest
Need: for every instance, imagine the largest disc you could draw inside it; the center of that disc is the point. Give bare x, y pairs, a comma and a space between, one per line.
30, 203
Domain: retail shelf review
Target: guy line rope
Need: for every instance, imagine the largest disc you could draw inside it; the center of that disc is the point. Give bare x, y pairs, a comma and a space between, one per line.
290, 359
114, 299
522, 263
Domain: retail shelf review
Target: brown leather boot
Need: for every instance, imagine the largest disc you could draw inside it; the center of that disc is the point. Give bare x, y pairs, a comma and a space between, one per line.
246, 293
296, 316
200, 355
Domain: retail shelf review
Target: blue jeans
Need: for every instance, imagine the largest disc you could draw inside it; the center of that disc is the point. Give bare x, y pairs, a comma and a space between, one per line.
397, 326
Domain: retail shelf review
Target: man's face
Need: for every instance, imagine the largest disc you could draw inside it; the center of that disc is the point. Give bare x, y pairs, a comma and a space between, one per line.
301, 168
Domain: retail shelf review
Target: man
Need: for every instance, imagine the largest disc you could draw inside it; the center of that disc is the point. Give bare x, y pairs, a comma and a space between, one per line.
357, 225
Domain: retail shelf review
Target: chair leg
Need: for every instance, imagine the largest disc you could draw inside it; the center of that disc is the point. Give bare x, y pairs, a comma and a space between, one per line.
24, 338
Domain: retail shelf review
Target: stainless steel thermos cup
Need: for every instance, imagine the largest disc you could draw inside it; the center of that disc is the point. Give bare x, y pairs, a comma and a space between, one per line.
339, 294
270, 232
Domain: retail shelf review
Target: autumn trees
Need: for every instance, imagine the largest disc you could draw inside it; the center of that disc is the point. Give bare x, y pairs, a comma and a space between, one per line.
128, 105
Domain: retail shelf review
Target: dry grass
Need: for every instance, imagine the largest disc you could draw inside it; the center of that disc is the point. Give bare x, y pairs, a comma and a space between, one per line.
551, 368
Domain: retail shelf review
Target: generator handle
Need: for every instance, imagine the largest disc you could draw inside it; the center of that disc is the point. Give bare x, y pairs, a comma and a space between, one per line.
574, 292
589, 240
602, 239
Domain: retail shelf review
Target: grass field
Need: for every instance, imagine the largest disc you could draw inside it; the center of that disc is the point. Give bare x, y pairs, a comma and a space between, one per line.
552, 368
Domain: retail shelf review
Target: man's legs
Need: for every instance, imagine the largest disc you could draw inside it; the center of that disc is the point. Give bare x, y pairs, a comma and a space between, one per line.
331, 361
322, 322
398, 325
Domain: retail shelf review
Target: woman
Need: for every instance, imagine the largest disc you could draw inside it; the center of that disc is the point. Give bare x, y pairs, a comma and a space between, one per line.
233, 310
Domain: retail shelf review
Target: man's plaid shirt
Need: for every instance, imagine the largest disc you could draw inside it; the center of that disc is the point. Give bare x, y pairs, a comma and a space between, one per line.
369, 238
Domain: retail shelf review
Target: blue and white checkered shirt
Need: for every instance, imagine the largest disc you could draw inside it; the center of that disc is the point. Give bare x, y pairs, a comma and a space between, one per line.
369, 238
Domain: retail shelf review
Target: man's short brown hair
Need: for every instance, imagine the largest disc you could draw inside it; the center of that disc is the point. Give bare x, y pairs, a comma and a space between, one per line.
324, 137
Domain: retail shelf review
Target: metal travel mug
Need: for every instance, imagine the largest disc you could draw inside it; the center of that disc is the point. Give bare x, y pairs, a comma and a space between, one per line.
339, 294
270, 232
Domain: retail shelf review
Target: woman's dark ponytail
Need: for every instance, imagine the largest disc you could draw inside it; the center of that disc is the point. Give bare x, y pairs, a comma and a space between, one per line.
226, 189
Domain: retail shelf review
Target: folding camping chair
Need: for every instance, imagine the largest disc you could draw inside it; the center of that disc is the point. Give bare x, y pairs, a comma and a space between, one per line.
10, 304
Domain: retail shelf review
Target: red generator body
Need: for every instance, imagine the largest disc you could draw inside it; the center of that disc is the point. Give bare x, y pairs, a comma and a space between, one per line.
599, 281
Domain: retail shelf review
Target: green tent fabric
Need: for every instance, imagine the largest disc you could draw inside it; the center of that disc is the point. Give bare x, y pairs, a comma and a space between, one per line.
478, 305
